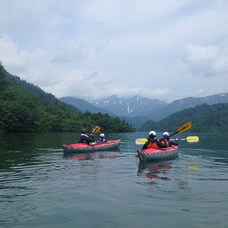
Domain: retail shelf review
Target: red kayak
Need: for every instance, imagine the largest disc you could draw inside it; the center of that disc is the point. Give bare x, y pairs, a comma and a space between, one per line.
83, 147
152, 154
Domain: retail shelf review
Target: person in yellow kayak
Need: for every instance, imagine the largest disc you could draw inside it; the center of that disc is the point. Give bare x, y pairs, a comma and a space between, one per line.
84, 138
153, 142
166, 140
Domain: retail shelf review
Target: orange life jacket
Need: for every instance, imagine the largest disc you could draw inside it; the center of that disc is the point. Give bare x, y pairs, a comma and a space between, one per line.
153, 145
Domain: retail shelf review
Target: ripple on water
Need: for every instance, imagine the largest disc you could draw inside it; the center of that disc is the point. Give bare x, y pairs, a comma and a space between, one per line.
44, 188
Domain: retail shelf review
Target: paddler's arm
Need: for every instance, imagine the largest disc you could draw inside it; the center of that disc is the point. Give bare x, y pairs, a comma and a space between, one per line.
145, 145
87, 140
160, 145
91, 139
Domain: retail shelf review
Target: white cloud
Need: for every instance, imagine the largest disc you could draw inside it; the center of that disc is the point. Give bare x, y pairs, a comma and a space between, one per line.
12, 57
144, 92
206, 60
104, 47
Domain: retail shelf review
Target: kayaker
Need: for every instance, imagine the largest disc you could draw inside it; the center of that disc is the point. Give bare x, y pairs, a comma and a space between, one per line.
84, 138
166, 140
153, 142
101, 138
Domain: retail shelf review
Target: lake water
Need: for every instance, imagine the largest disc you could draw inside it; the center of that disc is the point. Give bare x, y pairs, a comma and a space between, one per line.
42, 188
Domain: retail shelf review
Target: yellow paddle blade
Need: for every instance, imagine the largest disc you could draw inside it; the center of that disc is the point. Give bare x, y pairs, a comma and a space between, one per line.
188, 139
96, 129
184, 127
192, 139
140, 141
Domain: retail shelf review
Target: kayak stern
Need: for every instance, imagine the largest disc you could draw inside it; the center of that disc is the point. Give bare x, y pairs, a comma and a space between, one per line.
82, 147
158, 154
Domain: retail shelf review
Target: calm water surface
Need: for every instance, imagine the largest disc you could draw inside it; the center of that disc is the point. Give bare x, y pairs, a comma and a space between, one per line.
40, 187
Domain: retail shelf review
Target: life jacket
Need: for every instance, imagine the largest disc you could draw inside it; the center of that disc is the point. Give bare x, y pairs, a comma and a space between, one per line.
101, 140
165, 142
152, 145
84, 138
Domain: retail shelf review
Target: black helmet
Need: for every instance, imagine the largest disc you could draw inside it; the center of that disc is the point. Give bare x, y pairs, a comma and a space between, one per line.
83, 131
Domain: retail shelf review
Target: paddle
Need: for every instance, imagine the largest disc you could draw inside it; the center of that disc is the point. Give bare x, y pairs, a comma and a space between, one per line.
188, 139
96, 129
182, 128
191, 139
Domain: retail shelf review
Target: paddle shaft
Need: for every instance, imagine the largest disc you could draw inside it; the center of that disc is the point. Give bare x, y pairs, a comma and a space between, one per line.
173, 134
188, 139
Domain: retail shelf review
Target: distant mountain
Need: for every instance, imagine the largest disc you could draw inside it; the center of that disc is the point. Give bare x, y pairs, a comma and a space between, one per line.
205, 118
83, 105
137, 110
189, 102
129, 107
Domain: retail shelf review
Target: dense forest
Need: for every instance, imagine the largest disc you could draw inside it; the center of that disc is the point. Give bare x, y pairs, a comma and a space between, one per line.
204, 118
26, 108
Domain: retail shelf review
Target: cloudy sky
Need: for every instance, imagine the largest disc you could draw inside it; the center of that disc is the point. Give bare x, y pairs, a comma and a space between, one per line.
166, 49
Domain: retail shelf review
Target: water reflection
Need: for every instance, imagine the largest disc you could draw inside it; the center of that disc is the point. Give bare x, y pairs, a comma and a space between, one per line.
154, 171
92, 155
39, 183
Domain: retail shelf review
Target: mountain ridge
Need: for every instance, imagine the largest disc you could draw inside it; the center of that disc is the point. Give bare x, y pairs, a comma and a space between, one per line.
84, 105
137, 110
188, 102
205, 118
129, 107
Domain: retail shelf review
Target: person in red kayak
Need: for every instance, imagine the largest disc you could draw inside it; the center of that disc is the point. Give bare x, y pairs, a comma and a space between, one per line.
101, 138
153, 142
166, 140
84, 138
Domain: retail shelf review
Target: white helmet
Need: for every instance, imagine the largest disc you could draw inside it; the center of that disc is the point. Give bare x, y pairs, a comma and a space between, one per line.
166, 133
102, 135
152, 133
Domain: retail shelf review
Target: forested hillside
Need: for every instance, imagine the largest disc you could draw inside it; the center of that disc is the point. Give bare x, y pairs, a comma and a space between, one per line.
204, 118
26, 108
185, 103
